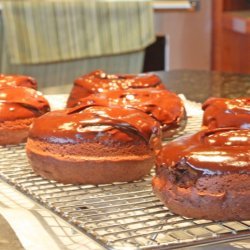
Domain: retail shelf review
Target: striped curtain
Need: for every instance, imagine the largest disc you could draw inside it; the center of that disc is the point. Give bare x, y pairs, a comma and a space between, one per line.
52, 31
63, 73
44, 45
1, 39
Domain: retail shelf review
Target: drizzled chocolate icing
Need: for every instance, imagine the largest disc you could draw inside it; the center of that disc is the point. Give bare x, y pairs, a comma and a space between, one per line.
165, 106
208, 152
102, 124
21, 103
17, 80
99, 81
223, 112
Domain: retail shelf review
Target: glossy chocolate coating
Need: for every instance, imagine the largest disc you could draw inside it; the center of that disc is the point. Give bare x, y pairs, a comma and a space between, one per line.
165, 106
21, 103
223, 112
17, 80
208, 152
99, 81
102, 124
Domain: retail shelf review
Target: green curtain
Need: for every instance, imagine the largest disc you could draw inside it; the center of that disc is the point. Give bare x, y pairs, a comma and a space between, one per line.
57, 54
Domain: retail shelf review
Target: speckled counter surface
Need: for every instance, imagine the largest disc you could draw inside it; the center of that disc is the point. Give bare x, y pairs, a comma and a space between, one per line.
199, 85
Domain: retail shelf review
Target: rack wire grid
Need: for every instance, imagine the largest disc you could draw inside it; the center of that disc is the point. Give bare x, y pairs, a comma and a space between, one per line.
119, 215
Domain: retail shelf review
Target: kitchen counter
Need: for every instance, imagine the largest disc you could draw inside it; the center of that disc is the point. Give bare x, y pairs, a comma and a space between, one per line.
195, 85
199, 85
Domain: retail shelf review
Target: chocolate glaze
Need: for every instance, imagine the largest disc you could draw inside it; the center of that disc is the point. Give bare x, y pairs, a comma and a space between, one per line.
223, 112
207, 152
98, 81
21, 103
17, 80
100, 124
165, 106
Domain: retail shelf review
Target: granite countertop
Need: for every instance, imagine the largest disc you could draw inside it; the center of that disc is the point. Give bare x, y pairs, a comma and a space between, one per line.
198, 85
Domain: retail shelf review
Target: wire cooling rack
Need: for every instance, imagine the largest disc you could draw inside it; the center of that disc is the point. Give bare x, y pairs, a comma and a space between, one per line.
119, 215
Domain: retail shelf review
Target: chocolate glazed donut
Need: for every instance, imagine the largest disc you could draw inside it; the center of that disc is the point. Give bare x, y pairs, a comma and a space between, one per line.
164, 106
17, 80
98, 81
223, 112
18, 108
206, 175
93, 145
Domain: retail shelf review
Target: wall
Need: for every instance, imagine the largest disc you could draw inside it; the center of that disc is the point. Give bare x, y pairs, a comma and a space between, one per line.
189, 37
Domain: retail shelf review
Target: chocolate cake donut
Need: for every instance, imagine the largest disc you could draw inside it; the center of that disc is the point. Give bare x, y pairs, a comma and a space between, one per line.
223, 112
18, 108
164, 106
98, 81
93, 145
206, 175
17, 80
